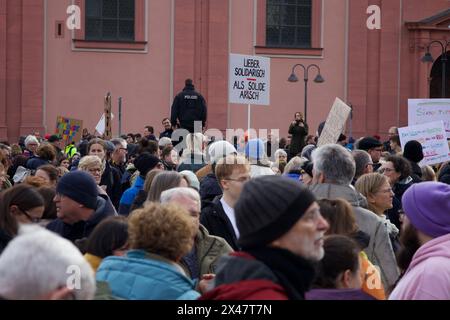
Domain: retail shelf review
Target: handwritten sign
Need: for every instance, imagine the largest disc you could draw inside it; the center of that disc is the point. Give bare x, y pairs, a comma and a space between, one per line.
69, 129
335, 123
432, 137
429, 110
249, 80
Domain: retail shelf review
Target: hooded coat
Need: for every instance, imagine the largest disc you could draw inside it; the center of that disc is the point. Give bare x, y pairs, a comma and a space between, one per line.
428, 275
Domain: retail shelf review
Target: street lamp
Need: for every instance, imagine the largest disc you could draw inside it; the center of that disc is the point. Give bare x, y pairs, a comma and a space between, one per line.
429, 58
317, 79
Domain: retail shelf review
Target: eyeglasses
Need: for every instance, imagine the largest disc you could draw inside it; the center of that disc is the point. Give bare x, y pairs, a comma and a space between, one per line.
382, 170
94, 170
32, 219
124, 149
242, 180
386, 190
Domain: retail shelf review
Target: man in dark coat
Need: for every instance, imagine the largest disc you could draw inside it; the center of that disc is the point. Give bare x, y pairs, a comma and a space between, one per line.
188, 106
281, 233
79, 206
299, 130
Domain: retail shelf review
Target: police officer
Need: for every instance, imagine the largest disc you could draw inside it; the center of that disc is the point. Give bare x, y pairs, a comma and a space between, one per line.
188, 106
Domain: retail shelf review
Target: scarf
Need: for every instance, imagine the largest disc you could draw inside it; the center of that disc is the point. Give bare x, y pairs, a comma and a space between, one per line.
294, 273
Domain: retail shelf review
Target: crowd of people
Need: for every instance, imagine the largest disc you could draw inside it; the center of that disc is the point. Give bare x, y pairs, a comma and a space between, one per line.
134, 217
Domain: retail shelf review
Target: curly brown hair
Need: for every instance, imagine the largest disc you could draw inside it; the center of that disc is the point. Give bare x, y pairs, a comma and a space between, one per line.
166, 230
46, 151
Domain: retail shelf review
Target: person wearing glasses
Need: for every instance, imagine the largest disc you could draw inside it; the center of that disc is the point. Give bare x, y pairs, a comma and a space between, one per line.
219, 218
378, 192
374, 147
21, 204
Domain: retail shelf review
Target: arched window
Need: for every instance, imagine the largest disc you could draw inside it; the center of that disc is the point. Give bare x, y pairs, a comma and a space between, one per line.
436, 78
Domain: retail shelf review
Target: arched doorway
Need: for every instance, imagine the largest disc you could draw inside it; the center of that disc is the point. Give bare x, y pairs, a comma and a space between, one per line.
436, 78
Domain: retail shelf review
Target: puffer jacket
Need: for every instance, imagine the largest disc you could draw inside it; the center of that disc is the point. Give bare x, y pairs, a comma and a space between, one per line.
144, 276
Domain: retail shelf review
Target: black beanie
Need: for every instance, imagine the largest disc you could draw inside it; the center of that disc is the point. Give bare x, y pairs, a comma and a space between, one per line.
79, 186
268, 208
145, 162
413, 151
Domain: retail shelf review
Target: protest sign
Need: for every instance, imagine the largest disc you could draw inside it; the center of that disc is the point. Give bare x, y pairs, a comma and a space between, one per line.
432, 137
69, 129
249, 80
335, 123
429, 110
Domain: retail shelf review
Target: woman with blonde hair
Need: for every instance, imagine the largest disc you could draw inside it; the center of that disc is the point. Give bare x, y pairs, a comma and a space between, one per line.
378, 192
92, 165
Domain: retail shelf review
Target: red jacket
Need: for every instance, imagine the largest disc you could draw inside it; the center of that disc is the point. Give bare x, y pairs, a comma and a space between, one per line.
245, 279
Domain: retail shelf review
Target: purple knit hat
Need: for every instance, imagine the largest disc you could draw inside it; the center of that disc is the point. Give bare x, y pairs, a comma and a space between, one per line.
427, 205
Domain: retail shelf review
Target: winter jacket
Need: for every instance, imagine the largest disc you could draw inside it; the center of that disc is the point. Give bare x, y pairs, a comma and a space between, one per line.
379, 251
35, 162
401, 186
83, 229
128, 196
209, 250
428, 275
214, 219
266, 273
188, 106
209, 189
143, 276
242, 277
111, 178
298, 138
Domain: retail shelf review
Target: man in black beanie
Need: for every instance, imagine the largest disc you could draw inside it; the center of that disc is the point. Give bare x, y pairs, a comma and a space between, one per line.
79, 206
281, 235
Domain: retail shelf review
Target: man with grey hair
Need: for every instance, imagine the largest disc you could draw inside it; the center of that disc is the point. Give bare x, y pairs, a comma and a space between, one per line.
363, 163
207, 249
334, 169
40, 265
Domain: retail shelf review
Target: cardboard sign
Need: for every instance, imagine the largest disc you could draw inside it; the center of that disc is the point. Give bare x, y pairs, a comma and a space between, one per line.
335, 123
429, 110
69, 129
249, 80
432, 137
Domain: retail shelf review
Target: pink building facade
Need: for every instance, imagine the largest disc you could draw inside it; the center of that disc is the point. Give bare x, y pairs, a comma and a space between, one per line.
47, 70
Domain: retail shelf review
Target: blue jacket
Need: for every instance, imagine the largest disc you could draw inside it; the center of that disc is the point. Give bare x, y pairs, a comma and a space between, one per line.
128, 196
143, 276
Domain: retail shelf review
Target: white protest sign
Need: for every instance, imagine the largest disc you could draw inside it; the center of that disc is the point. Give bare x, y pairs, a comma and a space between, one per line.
429, 110
335, 123
249, 80
432, 137
101, 125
